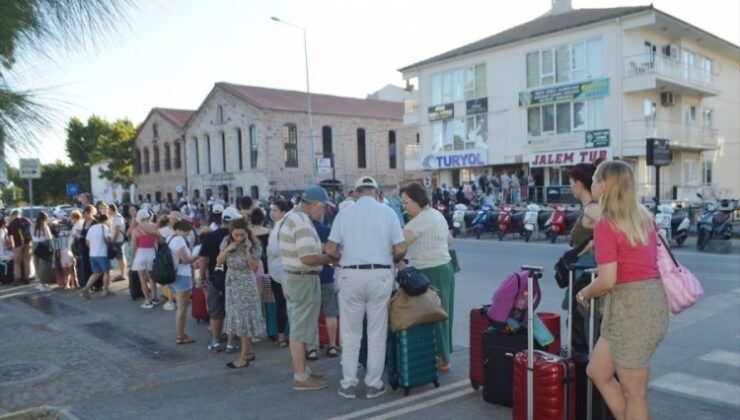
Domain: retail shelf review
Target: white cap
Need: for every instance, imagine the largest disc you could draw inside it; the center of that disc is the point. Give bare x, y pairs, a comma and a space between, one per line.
366, 181
143, 214
217, 208
231, 213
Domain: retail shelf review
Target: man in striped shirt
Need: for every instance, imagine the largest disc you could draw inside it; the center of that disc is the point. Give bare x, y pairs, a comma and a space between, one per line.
303, 258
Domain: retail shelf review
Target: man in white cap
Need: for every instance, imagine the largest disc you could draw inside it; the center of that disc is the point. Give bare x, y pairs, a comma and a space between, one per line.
367, 239
303, 258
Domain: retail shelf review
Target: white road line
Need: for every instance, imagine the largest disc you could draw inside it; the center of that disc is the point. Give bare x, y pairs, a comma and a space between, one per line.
402, 401
423, 405
729, 358
10, 295
696, 387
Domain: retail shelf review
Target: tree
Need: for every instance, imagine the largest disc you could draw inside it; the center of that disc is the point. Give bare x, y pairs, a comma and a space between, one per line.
83, 138
117, 147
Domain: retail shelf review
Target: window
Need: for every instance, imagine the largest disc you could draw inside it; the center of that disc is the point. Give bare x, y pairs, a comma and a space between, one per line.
209, 193
392, 152
563, 118
548, 118
547, 67
650, 112
137, 161
449, 135
361, 150
533, 121
579, 117
580, 60
254, 191
220, 114
689, 117
178, 156
688, 174
167, 158
253, 146
458, 84
146, 160
533, 69
239, 192
196, 193
708, 118
326, 142
155, 149
689, 59
476, 135
158, 196
197, 156
240, 150
290, 145
223, 150
706, 173
707, 67
208, 152
155, 131
562, 64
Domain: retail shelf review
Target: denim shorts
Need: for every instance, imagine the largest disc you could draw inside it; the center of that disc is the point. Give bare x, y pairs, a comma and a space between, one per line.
181, 283
99, 264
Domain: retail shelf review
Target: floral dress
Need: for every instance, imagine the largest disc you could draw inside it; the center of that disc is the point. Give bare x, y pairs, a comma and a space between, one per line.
243, 304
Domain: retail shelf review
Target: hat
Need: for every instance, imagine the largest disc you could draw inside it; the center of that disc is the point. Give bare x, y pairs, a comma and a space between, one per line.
143, 214
316, 194
217, 208
231, 213
366, 181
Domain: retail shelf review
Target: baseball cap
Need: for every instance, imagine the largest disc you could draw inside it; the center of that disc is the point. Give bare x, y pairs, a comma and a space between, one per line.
217, 208
231, 213
366, 181
143, 214
316, 194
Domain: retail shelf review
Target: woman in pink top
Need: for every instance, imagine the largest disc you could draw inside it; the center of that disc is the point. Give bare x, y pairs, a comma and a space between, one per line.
635, 308
143, 250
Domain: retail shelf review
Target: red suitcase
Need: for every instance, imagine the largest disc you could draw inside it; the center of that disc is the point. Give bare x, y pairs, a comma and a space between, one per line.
478, 323
323, 333
199, 309
543, 383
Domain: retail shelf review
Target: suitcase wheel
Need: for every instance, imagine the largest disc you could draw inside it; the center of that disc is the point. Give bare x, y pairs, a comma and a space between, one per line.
406, 391
474, 385
436, 384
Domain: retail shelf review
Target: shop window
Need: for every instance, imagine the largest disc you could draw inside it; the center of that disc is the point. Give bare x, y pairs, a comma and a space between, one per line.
476, 135
290, 145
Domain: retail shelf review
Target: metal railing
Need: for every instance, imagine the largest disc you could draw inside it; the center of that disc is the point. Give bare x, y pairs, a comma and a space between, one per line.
679, 134
660, 65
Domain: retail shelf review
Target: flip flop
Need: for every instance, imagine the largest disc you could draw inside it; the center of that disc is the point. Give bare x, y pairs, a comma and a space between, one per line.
184, 340
312, 355
231, 365
332, 351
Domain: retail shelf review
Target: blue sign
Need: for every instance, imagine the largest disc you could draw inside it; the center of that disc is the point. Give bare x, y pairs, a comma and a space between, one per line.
459, 159
73, 189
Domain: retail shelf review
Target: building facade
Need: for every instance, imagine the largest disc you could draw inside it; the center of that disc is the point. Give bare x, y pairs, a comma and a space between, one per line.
159, 156
246, 140
575, 85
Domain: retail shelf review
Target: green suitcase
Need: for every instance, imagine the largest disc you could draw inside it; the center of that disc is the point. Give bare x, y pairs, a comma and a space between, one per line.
411, 358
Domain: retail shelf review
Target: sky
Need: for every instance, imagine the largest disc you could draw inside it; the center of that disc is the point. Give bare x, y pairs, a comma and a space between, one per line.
170, 52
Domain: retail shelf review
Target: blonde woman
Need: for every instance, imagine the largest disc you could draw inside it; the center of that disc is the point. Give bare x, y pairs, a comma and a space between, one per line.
635, 309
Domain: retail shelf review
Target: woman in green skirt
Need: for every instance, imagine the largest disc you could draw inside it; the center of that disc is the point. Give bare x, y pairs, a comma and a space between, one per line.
428, 239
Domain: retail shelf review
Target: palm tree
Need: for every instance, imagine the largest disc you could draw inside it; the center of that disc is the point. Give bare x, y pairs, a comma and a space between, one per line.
35, 28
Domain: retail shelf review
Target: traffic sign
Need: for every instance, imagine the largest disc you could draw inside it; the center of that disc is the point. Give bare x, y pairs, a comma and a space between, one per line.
30, 168
73, 189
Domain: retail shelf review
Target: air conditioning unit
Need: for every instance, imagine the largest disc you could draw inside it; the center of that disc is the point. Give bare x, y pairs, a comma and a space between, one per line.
667, 98
672, 51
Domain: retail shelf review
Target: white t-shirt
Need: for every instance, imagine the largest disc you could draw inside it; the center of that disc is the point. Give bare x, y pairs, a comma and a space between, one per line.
118, 221
95, 236
5, 253
430, 247
175, 243
77, 228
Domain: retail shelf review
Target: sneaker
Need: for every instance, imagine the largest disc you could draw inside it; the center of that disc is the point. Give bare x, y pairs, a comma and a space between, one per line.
169, 306
373, 392
350, 392
156, 301
215, 347
310, 384
40, 287
317, 375
146, 305
232, 348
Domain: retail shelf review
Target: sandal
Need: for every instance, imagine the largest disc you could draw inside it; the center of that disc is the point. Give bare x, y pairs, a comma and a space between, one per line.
283, 343
184, 340
332, 351
252, 357
232, 365
312, 355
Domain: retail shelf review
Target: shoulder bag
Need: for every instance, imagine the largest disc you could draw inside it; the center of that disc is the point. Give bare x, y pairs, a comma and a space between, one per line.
412, 280
682, 288
408, 311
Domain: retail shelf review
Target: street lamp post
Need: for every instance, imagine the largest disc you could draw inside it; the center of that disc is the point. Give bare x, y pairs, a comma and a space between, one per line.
308, 97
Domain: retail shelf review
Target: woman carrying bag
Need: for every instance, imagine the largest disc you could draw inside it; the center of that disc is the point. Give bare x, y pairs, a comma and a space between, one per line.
43, 252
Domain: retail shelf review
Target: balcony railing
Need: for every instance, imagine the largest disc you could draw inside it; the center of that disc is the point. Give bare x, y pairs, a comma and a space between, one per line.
660, 65
680, 135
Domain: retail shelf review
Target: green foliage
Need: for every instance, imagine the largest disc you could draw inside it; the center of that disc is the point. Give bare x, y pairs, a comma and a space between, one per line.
99, 140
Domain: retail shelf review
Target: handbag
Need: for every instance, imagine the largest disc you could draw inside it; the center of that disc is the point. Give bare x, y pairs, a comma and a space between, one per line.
218, 278
453, 260
412, 280
408, 311
44, 251
111, 250
682, 288
569, 257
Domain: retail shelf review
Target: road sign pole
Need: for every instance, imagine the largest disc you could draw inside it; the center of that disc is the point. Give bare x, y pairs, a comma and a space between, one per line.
30, 192
657, 188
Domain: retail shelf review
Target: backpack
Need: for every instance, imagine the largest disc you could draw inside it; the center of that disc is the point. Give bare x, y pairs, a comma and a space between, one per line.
24, 231
510, 300
164, 270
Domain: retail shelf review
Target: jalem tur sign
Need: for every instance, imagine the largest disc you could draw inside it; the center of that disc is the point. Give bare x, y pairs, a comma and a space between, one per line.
459, 159
569, 157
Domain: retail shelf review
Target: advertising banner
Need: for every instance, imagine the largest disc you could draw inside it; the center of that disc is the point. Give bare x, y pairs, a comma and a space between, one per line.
565, 93
458, 159
569, 157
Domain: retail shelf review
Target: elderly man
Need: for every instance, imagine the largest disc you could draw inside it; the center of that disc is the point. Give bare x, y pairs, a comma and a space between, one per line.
302, 261
371, 241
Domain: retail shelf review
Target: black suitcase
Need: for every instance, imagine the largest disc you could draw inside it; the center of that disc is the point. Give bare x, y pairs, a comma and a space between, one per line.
6, 272
499, 348
411, 358
134, 285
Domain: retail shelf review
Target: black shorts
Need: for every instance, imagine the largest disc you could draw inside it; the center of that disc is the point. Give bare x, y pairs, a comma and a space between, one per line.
119, 250
216, 304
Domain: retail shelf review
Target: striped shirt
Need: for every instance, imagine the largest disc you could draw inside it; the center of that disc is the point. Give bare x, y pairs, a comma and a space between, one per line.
298, 238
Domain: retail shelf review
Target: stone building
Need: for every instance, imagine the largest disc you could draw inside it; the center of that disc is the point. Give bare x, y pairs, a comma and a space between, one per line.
247, 140
159, 155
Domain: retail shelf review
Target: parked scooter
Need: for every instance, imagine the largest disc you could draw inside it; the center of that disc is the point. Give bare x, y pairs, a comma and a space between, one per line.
674, 225
561, 221
510, 221
459, 224
485, 221
714, 223
530, 221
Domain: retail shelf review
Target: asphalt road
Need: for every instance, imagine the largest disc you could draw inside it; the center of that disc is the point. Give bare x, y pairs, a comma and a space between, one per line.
108, 359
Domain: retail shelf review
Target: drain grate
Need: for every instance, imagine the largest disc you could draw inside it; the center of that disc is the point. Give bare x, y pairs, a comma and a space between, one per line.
25, 372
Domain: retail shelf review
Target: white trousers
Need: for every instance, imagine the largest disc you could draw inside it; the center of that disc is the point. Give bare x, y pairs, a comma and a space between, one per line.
364, 292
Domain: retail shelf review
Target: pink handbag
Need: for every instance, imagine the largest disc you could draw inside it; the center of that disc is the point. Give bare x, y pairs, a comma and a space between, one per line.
682, 288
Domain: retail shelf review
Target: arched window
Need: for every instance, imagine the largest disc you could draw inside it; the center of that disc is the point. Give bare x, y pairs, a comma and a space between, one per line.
253, 146
146, 160
137, 161
290, 144
167, 157
156, 158
326, 143
223, 150
178, 156
196, 154
254, 192
208, 152
361, 152
239, 192
392, 150
240, 148
196, 193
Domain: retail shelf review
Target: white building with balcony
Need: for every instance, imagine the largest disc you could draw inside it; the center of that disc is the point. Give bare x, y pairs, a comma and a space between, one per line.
576, 84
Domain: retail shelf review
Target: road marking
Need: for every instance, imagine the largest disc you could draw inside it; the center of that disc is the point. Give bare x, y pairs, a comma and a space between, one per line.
10, 295
695, 387
728, 358
406, 400
423, 405
704, 309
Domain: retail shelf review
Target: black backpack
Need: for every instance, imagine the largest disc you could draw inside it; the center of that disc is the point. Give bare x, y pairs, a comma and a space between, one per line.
164, 270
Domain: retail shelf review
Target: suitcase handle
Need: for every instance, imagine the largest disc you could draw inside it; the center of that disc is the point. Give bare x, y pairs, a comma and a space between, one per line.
533, 273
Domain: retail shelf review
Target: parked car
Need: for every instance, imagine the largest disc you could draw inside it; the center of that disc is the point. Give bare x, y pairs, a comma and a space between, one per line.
32, 212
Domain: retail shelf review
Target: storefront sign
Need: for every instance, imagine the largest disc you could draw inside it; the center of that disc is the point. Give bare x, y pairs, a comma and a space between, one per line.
569, 157
576, 91
658, 152
441, 112
476, 106
460, 159
597, 138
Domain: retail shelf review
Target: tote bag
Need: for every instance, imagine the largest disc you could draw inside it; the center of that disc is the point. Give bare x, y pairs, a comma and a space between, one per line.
682, 288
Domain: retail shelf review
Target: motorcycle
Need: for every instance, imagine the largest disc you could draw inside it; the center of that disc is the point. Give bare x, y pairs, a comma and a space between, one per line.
510, 221
531, 224
714, 223
458, 219
483, 221
561, 221
673, 224
443, 208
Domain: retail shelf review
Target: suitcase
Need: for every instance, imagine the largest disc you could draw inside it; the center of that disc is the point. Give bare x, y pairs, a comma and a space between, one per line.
499, 348
543, 383
134, 285
6, 272
323, 333
411, 358
478, 324
199, 309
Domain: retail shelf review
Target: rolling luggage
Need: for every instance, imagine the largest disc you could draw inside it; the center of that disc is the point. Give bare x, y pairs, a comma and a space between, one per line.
199, 309
478, 324
6, 272
499, 348
411, 358
323, 333
543, 383
134, 285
